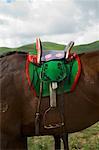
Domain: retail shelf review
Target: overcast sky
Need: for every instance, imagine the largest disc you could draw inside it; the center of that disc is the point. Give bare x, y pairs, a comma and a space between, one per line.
61, 21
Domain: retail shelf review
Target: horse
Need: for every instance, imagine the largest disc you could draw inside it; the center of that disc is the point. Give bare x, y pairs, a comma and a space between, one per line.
18, 104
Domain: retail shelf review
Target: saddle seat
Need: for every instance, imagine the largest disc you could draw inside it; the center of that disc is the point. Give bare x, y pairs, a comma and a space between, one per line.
48, 55
52, 55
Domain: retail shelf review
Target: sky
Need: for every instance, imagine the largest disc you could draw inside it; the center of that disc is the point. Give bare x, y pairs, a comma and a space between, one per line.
60, 21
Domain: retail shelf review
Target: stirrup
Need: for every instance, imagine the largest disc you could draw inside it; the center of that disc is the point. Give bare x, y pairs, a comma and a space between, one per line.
53, 118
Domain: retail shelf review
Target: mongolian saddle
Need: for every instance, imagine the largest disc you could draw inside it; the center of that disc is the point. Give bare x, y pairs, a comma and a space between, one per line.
52, 67
48, 55
46, 70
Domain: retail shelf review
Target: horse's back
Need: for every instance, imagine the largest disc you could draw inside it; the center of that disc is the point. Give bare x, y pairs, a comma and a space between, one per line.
90, 65
91, 59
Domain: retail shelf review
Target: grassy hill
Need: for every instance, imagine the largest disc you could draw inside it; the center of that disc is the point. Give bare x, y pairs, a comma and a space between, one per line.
87, 47
54, 46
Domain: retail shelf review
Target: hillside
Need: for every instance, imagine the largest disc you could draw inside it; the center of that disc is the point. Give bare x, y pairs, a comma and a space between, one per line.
54, 46
87, 47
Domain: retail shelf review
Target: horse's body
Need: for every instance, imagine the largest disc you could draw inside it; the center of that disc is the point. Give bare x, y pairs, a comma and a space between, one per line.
18, 105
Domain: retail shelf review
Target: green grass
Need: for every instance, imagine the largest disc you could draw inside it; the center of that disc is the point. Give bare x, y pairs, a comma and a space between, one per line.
54, 46
87, 139
87, 47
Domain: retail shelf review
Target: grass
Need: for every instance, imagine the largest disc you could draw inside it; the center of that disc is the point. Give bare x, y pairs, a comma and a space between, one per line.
54, 46
87, 139
86, 47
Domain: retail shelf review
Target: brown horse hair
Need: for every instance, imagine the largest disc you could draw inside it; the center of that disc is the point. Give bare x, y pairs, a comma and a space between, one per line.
11, 53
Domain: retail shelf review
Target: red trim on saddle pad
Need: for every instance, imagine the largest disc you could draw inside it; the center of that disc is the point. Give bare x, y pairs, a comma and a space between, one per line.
32, 58
78, 73
28, 60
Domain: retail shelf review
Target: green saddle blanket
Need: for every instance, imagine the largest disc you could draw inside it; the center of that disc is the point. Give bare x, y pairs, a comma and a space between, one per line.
66, 74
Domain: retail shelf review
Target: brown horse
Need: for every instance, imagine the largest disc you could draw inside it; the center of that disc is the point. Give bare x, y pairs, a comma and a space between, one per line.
18, 105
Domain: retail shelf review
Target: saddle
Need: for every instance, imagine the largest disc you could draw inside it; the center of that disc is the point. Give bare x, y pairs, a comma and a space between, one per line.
46, 72
48, 55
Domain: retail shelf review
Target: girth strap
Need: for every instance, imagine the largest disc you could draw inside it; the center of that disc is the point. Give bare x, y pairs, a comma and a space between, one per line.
53, 87
37, 117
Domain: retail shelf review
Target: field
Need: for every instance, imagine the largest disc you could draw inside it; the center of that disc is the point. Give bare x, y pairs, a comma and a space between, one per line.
87, 139
53, 46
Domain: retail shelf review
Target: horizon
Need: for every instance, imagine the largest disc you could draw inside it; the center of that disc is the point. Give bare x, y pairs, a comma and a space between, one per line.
50, 42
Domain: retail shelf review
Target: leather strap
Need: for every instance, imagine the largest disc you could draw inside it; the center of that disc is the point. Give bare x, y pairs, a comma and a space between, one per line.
37, 117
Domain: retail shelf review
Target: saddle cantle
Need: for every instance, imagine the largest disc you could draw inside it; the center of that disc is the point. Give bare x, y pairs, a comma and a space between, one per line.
57, 72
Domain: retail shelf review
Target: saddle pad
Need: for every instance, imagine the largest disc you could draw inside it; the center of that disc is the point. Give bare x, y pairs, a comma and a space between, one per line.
66, 82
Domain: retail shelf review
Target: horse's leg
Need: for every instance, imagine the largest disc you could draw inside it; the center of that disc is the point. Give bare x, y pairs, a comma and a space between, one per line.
57, 142
65, 141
